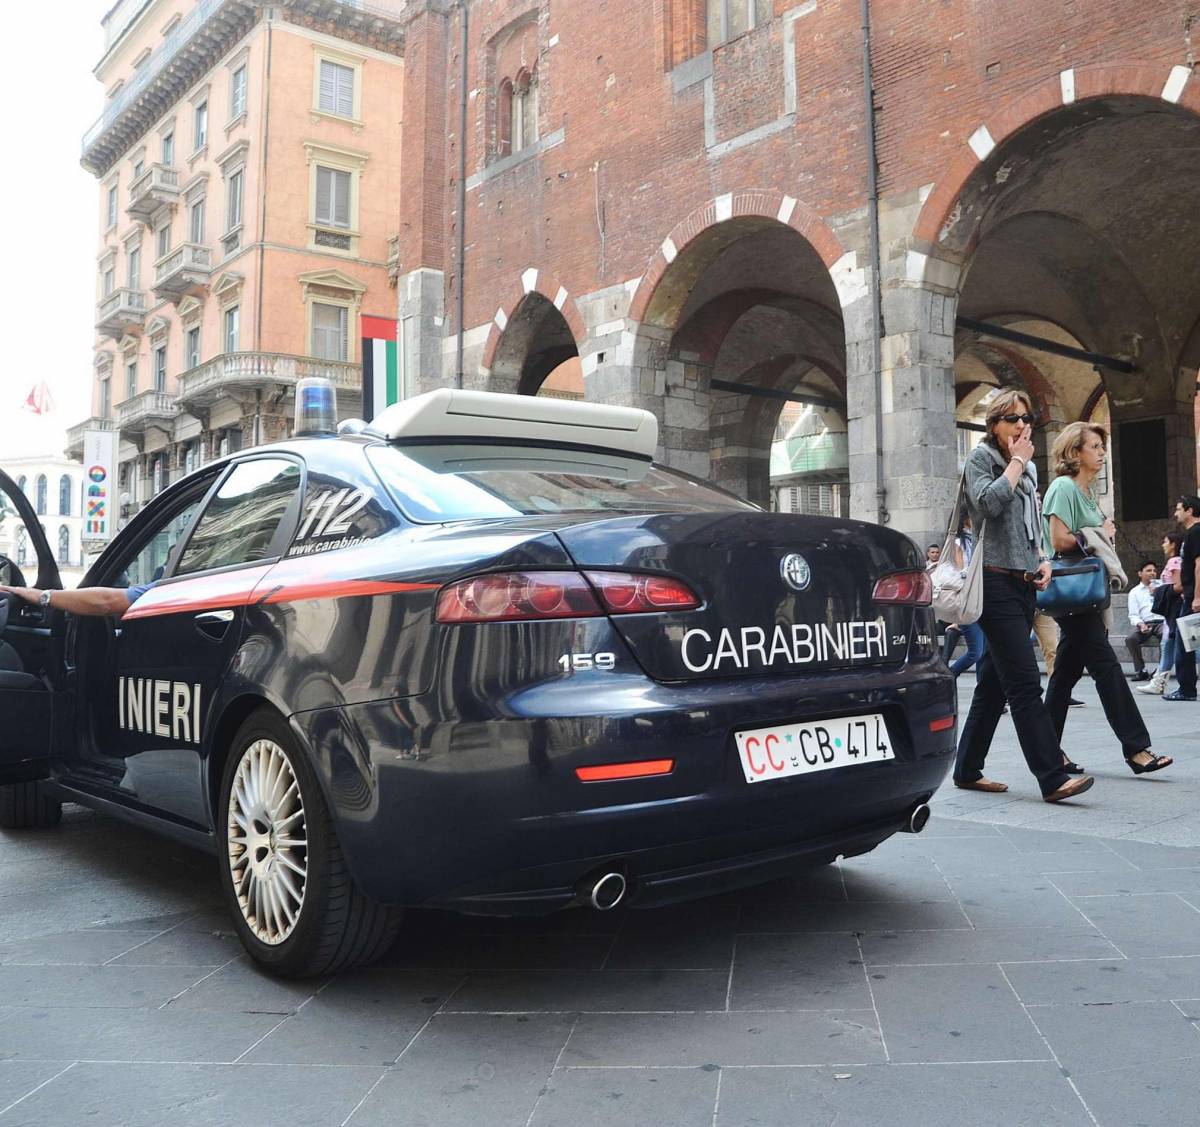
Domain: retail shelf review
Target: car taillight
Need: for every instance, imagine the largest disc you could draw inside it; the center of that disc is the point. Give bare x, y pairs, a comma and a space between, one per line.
521, 595
622, 593
517, 595
905, 588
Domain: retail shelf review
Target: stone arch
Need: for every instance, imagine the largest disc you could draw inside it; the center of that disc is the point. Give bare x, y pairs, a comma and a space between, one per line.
539, 301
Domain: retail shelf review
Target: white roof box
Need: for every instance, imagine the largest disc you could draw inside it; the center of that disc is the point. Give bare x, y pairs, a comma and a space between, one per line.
451, 413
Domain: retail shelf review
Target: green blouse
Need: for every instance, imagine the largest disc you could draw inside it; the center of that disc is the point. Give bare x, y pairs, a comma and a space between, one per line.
1074, 507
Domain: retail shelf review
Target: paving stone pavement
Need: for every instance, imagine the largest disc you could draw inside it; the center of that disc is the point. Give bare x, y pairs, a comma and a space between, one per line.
1014, 964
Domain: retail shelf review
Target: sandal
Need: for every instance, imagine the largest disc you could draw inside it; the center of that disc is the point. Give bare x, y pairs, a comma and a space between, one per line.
1157, 762
1071, 767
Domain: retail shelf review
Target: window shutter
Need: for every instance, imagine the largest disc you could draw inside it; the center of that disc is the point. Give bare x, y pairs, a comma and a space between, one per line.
345, 91
327, 92
341, 199
324, 195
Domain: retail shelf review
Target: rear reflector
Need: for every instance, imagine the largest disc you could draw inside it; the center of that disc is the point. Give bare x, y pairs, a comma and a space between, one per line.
608, 772
905, 588
941, 724
522, 595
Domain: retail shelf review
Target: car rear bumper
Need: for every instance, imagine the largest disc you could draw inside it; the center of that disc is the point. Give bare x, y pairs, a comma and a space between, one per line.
484, 812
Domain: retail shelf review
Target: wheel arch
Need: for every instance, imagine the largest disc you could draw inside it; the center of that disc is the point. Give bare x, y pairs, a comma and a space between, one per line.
232, 717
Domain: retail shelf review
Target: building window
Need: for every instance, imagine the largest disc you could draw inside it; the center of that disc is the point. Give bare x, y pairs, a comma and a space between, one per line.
233, 201
64, 544
131, 379
22, 547
523, 128
330, 335
135, 268
333, 197
108, 281
196, 222
105, 399
112, 206
157, 476
335, 93
200, 128
42, 488
191, 347
168, 157
164, 239
504, 118
160, 368
727, 19
237, 92
139, 166
232, 317
64, 495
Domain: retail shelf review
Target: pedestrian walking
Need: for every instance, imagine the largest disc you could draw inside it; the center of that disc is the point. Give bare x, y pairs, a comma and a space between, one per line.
1073, 521
971, 633
1146, 625
1187, 512
1001, 489
1167, 602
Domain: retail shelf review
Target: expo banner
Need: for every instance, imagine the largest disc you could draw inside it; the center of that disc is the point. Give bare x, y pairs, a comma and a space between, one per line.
99, 485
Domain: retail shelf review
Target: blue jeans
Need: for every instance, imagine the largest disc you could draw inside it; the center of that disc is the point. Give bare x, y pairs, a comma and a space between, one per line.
1166, 658
976, 644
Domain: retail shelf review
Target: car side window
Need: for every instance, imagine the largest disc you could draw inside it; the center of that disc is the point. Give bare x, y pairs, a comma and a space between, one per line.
150, 562
241, 520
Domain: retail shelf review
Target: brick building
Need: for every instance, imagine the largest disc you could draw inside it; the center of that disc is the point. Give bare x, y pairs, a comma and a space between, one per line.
676, 193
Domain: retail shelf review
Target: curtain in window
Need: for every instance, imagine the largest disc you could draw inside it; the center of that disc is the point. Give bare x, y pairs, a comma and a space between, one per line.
333, 197
329, 331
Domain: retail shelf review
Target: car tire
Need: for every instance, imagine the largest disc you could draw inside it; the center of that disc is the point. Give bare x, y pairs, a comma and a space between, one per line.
296, 907
28, 806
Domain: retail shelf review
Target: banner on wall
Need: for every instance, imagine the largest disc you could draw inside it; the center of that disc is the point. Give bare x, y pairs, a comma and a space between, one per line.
99, 484
380, 364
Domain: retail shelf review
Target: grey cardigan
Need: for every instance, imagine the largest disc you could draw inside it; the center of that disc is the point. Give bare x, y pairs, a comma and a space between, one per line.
992, 500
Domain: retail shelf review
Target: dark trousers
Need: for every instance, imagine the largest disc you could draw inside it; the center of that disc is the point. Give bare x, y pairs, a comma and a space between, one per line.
1136, 639
1008, 672
1185, 663
1083, 644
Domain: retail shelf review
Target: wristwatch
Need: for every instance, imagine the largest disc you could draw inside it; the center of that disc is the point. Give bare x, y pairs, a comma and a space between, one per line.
44, 599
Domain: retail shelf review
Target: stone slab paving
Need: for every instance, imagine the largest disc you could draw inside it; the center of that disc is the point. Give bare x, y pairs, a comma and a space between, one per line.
1015, 964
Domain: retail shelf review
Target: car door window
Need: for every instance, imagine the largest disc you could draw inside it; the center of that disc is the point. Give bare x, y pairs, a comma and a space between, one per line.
151, 561
241, 520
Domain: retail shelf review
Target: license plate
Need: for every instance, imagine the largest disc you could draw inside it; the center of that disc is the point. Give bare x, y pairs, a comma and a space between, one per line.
800, 749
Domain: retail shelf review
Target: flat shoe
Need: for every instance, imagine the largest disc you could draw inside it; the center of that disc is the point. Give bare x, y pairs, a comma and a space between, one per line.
1070, 789
1071, 767
989, 785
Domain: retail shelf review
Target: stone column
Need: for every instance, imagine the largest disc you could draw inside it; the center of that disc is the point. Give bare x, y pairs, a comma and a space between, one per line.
422, 247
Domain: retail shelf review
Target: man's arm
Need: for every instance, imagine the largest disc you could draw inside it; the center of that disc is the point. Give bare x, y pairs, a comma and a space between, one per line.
1135, 606
90, 601
1195, 588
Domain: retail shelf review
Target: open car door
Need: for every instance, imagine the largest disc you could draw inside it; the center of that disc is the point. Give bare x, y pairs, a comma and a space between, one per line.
30, 648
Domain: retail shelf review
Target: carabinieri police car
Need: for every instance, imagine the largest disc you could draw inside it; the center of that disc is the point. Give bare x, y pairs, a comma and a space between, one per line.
482, 654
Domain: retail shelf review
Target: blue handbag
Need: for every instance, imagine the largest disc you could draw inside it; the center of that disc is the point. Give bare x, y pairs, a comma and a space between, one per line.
1078, 585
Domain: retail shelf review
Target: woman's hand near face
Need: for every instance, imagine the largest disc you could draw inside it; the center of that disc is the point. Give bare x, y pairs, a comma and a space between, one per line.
1022, 445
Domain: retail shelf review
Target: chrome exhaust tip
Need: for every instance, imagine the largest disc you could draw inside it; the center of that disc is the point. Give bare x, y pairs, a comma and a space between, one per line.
607, 892
918, 817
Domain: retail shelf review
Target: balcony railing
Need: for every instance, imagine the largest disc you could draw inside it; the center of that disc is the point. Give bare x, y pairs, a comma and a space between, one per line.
120, 310
234, 372
74, 447
189, 264
206, 33
149, 408
156, 186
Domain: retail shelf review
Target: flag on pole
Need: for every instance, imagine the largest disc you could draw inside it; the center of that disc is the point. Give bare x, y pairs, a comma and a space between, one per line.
39, 400
380, 363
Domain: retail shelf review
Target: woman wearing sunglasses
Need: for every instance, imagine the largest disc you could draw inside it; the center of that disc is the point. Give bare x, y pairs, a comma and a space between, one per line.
1001, 490
1069, 508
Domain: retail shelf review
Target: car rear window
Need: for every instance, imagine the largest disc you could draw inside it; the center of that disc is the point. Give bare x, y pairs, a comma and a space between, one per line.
437, 483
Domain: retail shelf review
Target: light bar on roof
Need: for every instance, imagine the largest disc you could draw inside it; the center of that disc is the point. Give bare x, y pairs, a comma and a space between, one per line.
450, 413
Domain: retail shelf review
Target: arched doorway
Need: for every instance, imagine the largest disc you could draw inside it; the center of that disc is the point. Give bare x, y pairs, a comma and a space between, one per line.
537, 343
742, 329
1075, 230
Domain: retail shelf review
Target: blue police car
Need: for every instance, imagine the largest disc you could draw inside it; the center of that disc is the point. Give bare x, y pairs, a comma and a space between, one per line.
482, 654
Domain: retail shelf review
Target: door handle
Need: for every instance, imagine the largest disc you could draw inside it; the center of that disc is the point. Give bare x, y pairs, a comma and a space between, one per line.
214, 623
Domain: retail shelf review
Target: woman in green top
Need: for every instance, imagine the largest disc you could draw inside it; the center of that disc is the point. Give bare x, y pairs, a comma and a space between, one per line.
1069, 507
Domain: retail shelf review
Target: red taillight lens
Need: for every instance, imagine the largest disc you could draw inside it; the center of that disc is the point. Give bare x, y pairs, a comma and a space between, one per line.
905, 588
622, 593
513, 596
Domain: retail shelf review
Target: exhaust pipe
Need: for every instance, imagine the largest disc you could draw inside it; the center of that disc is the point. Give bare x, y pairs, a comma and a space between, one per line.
918, 816
606, 891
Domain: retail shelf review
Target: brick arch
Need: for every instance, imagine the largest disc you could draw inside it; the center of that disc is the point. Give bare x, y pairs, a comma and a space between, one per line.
1148, 80
540, 282
763, 203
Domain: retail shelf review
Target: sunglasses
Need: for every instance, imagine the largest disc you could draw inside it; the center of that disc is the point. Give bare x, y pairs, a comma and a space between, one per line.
1018, 419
